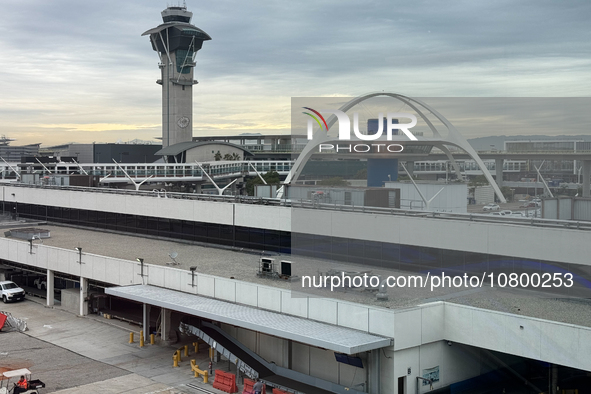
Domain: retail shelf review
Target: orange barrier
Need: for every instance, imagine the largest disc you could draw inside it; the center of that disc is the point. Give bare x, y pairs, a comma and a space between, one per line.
277, 391
247, 389
225, 381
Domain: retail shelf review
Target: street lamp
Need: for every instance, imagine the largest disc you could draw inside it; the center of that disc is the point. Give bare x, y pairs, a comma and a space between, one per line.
141, 261
193, 275
79, 250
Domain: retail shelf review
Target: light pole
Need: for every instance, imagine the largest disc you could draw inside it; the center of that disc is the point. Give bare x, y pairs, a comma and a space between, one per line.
79, 250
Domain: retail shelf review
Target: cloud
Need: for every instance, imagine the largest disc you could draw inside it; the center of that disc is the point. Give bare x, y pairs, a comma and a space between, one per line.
78, 63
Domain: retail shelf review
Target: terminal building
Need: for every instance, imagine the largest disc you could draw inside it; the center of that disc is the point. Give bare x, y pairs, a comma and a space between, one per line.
449, 338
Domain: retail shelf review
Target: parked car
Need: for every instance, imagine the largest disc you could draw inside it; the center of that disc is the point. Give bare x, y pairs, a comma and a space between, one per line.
10, 291
519, 214
491, 207
40, 283
531, 204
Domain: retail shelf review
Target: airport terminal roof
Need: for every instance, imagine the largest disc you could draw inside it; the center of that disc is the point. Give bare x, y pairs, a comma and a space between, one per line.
175, 149
326, 336
242, 265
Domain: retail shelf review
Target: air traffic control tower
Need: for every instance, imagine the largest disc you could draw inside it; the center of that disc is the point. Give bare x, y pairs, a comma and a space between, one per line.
177, 41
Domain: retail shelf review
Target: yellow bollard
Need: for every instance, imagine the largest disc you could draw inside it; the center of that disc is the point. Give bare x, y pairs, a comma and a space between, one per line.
178, 355
198, 372
196, 344
141, 339
152, 339
175, 360
186, 350
131, 337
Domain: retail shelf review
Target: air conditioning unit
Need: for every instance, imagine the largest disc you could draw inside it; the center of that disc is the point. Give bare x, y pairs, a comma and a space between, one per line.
267, 265
285, 268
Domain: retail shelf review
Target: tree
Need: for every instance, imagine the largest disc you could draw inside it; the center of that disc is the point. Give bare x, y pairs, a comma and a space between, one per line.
271, 177
232, 157
217, 156
361, 174
479, 180
507, 193
335, 181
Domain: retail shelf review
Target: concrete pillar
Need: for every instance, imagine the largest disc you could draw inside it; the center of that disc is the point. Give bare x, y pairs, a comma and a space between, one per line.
410, 167
146, 320
287, 351
198, 188
165, 324
49, 284
83, 295
374, 372
554, 380
499, 171
586, 176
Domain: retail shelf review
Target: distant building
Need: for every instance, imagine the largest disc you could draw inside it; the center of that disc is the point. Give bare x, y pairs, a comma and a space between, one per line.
105, 153
13, 154
565, 169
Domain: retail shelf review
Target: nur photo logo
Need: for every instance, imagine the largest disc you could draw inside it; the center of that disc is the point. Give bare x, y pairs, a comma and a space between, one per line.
391, 128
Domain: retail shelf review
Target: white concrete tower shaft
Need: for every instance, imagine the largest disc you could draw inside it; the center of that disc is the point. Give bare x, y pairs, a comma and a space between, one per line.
177, 41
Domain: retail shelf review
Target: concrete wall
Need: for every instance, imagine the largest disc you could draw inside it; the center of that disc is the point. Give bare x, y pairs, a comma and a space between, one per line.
70, 300
261, 216
559, 343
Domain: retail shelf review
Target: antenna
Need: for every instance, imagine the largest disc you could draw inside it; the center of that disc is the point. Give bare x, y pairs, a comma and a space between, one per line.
173, 256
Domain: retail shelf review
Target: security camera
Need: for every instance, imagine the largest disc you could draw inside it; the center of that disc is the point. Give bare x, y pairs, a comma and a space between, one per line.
448, 343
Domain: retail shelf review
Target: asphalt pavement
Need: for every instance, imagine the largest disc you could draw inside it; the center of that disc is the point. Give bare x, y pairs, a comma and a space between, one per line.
73, 354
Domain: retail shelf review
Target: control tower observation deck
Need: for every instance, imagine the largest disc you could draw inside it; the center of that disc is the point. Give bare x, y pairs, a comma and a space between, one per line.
177, 41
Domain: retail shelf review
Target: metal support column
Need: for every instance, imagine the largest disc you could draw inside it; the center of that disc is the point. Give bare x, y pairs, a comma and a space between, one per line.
586, 177
83, 296
374, 372
410, 167
165, 324
49, 287
146, 320
499, 171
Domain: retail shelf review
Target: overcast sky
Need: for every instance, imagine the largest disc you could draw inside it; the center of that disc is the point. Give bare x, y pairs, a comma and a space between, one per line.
81, 71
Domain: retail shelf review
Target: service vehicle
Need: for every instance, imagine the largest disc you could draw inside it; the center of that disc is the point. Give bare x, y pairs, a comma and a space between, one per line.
10, 291
8, 383
40, 283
